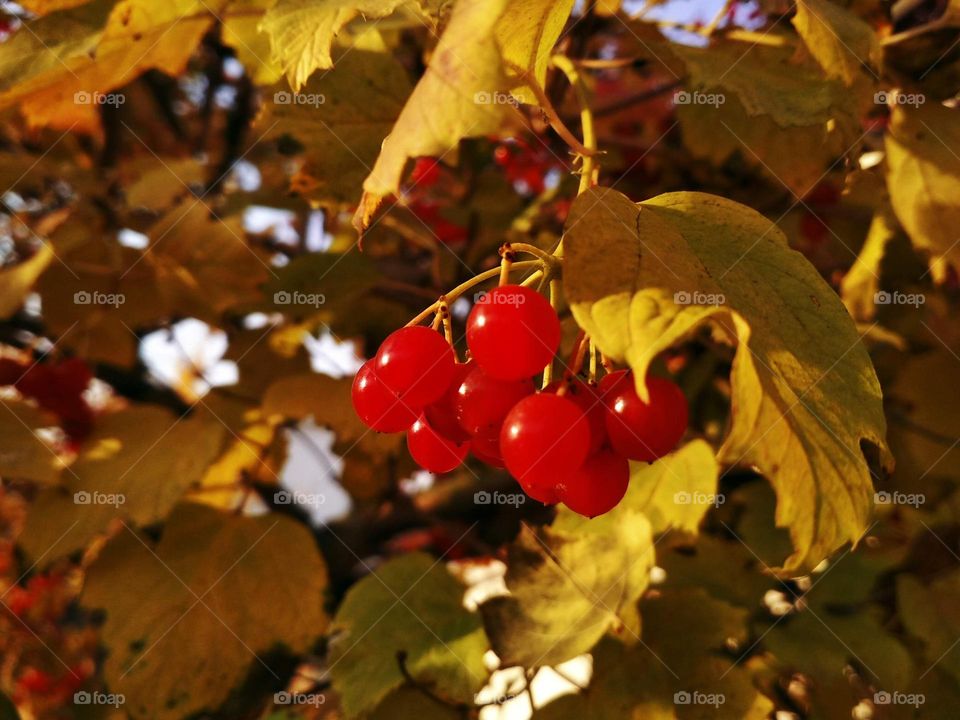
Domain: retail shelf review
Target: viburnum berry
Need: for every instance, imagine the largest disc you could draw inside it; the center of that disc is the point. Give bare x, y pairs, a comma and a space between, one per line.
545, 438
512, 332
638, 430
417, 363
486, 448
589, 398
376, 405
598, 485
432, 451
483, 402
442, 415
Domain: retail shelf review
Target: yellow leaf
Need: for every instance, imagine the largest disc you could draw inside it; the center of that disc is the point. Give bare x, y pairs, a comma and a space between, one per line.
805, 393
302, 31
17, 280
923, 178
860, 284
526, 33
23, 454
845, 46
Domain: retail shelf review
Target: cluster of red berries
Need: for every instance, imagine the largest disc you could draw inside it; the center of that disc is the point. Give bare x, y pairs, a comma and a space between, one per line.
56, 387
568, 443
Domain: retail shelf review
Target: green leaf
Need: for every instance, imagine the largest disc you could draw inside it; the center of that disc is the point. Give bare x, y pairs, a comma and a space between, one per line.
805, 393
677, 490
302, 31
923, 178
187, 619
136, 465
842, 43
23, 454
341, 118
410, 605
568, 585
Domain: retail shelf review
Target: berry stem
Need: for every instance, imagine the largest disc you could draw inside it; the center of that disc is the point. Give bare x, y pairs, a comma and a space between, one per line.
447, 322
589, 169
593, 361
466, 285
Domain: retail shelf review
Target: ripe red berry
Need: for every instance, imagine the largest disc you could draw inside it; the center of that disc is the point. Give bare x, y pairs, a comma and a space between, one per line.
589, 398
432, 451
417, 364
483, 401
378, 407
486, 448
644, 431
544, 440
442, 415
599, 484
513, 332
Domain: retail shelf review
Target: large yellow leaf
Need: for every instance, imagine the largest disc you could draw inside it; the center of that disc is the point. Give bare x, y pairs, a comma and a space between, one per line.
805, 394
923, 177
188, 618
23, 454
526, 34
860, 284
17, 280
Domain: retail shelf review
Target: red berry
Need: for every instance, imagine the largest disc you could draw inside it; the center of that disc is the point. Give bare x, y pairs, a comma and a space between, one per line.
589, 398
432, 451
599, 484
35, 681
417, 364
426, 171
483, 402
512, 332
544, 439
442, 415
642, 431
486, 448
378, 407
